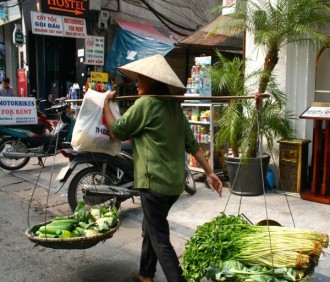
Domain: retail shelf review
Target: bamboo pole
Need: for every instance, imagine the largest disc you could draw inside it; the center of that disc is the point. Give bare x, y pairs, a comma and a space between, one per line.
186, 98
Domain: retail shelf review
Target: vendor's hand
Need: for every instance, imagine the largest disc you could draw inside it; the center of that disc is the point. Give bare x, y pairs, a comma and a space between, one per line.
214, 182
111, 95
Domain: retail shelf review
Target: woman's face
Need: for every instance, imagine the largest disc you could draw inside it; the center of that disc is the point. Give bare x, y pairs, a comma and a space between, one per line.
145, 84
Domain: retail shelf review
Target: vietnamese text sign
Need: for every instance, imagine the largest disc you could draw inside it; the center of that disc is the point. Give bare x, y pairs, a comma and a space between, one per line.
48, 24
94, 50
18, 110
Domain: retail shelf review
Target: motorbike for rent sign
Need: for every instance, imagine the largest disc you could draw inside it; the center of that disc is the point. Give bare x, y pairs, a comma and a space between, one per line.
18, 110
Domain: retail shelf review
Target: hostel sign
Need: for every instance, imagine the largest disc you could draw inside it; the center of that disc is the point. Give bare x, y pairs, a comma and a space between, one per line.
74, 8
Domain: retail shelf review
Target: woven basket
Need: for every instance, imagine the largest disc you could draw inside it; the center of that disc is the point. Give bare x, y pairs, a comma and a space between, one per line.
70, 243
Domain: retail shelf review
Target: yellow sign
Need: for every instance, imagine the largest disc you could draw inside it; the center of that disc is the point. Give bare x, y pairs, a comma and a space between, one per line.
99, 76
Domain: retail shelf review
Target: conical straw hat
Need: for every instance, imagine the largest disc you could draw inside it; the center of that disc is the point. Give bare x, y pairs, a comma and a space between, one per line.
154, 67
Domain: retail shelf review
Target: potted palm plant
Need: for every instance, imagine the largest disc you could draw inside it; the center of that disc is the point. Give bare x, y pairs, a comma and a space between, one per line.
273, 24
238, 118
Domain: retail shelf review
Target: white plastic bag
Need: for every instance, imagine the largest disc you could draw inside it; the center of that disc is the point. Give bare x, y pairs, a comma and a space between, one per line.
90, 132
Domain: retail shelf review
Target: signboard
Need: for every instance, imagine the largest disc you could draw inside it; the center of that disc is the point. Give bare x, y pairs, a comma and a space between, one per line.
73, 27
21, 83
17, 110
317, 110
48, 24
18, 36
74, 8
94, 50
99, 76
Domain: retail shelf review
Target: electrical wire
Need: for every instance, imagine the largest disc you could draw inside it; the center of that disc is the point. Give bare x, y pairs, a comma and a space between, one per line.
163, 18
175, 11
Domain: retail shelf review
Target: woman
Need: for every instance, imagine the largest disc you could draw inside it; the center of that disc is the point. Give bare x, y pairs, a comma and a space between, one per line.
161, 136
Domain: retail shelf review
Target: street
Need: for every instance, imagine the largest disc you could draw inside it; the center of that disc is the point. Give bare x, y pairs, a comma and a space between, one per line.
23, 204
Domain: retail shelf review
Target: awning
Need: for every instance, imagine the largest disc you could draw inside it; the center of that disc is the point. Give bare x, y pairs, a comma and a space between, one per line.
134, 41
202, 37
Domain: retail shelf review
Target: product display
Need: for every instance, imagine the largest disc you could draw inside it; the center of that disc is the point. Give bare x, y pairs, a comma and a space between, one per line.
203, 118
200, 81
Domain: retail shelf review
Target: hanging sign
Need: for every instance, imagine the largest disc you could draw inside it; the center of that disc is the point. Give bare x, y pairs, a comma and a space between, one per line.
94, 50
18, 36
18, 110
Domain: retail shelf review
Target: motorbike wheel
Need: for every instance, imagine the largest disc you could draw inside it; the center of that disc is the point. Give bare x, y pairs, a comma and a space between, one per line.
190, 185
91, 176
12, 144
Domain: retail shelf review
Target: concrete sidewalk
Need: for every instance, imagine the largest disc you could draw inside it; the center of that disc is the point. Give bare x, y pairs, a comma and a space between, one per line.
188, 213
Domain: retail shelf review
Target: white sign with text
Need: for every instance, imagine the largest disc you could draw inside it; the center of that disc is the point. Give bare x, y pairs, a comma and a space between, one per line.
18, 110
94, 50
54, 25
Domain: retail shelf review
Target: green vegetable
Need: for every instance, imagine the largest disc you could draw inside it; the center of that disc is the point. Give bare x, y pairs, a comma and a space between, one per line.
232, 246
46, 235
49, 229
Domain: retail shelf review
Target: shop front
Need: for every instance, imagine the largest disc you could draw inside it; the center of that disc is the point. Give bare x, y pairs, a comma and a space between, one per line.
54, 36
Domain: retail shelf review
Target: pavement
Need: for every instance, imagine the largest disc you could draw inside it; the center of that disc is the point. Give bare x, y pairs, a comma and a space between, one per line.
41, 197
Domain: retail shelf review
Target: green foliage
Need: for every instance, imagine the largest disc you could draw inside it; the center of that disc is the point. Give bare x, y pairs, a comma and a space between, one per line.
278, 23
237, 126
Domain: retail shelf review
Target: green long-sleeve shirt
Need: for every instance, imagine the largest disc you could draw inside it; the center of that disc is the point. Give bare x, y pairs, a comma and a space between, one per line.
161, 134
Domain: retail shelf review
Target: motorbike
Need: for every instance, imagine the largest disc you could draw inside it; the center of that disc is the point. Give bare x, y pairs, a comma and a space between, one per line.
20, 143
106, 179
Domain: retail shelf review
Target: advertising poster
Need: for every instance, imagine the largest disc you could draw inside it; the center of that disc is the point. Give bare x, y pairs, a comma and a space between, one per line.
18, 110
21, 83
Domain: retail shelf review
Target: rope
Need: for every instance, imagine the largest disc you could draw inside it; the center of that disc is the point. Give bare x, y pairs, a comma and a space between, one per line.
260, 152
38, 178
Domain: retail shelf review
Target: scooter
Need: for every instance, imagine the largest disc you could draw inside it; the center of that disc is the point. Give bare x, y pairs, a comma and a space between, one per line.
20, 143
106, 178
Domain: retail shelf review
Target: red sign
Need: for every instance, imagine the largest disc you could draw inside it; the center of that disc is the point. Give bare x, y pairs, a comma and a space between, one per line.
21, 83
73, 8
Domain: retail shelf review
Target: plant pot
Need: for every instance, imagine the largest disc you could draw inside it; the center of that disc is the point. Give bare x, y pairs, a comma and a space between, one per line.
246, 178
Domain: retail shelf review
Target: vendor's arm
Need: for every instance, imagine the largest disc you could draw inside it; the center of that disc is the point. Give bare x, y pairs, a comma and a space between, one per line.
212, 179
108, 115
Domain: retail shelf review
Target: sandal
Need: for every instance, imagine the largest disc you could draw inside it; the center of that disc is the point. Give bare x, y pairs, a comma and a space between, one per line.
138, 278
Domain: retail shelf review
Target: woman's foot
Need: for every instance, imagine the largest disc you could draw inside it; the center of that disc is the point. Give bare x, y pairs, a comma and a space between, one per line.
139, 278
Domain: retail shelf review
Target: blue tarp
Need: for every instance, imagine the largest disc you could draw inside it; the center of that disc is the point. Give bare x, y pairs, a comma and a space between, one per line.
128, 47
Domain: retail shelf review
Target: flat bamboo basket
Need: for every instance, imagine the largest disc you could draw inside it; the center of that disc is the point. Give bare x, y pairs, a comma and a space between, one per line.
69, 243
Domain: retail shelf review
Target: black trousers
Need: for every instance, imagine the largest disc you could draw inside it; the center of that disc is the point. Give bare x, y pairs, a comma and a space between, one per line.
156, 243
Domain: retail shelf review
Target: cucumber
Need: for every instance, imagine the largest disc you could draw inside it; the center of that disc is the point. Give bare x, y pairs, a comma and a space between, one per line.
46, 235
47, 229
65, 219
